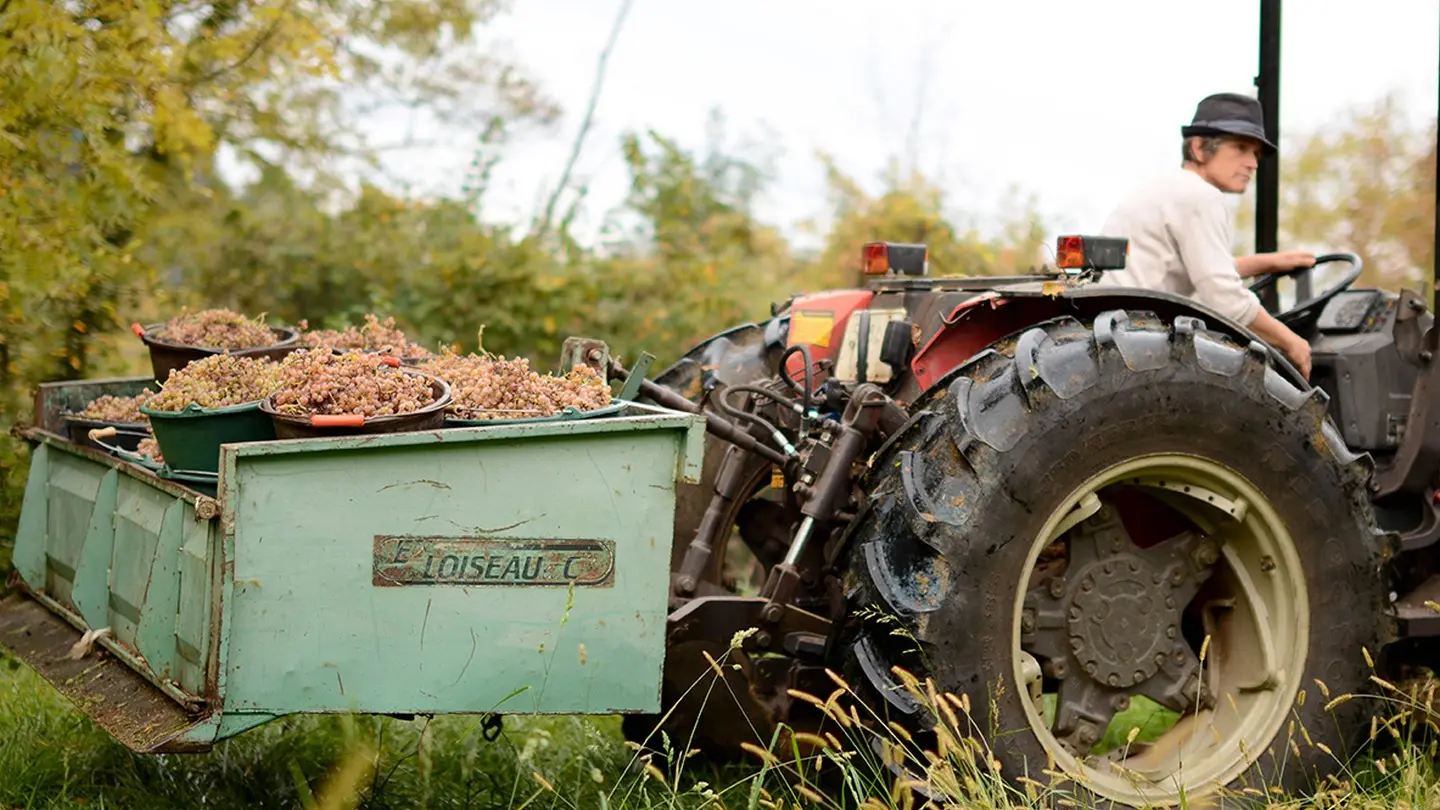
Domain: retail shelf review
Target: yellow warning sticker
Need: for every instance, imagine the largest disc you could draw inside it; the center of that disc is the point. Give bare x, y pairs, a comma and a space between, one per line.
777, 478
812, 327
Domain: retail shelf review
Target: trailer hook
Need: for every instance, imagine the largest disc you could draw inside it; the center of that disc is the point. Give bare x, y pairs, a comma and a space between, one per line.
491, 726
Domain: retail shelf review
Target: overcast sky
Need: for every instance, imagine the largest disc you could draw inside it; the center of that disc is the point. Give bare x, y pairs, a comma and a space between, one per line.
1074, 101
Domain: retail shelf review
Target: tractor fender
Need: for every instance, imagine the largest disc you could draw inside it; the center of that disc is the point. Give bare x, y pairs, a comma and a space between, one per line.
741, 354
993, 316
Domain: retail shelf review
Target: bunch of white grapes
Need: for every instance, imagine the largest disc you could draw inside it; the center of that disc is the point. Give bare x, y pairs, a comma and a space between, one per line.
216, 329
486, 387
318, 381
374, 335
110, 408
217, 381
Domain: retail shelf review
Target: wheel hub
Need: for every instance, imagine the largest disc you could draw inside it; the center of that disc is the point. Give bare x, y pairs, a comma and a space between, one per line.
1121, 619
1108, 629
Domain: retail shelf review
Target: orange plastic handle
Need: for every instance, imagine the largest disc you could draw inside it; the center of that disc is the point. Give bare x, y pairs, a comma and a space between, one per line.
137, 329
391, 361
336, 420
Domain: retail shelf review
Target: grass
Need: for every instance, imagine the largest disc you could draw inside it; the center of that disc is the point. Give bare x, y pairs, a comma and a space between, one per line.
51, 756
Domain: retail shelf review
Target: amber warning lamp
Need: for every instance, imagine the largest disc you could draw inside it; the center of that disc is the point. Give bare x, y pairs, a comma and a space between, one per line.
889, 258
1091, 252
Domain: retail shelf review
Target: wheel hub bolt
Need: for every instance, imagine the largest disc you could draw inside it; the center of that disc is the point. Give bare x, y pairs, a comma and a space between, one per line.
1120, 703
1207, 555
1057, 587
1027, 621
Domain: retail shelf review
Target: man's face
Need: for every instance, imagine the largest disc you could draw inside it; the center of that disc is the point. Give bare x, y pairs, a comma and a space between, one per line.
1233, 164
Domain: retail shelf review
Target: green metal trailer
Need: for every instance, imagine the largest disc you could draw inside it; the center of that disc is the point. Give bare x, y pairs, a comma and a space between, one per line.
497, 569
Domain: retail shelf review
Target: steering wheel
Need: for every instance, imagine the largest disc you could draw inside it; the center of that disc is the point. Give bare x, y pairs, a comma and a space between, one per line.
1305, 313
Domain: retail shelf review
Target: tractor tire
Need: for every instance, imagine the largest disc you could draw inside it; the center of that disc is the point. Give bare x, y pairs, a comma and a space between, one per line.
1059, 440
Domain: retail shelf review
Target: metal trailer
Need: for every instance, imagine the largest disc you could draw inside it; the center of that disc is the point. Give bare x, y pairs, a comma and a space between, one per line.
494, 569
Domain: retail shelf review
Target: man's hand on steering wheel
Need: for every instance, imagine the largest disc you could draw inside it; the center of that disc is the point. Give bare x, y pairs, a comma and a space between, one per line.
1287, 260
1302, 315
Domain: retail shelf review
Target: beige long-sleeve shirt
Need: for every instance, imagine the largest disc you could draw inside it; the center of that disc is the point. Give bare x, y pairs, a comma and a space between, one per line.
1180, 236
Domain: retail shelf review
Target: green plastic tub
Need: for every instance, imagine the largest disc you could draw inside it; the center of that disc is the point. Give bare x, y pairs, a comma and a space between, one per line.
190, 439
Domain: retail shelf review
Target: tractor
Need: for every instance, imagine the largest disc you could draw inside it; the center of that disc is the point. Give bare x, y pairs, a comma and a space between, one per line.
1071, 505
1067, 502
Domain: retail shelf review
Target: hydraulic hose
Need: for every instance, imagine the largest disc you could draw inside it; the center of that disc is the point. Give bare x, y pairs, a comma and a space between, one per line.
739, 415
721, 428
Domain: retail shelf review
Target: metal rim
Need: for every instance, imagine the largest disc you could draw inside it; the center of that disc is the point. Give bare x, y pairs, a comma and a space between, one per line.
1252, 654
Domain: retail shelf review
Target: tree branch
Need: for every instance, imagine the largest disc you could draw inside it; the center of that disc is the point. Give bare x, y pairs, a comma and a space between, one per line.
260, 41
575, 148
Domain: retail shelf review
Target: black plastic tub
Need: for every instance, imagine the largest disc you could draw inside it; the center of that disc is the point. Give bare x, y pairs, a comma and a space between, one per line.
128, 437
166, 357
430, 417
457, 419
122, 444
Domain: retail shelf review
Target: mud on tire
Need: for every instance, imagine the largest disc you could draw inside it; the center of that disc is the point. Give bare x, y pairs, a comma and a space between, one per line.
933, 567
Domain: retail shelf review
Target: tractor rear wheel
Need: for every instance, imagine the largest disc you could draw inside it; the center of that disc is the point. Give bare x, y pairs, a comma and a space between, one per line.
1125, 524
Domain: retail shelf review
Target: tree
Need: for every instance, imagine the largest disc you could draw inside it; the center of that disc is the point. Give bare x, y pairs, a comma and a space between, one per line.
688, 256
113, 114
911, 208
1364, 183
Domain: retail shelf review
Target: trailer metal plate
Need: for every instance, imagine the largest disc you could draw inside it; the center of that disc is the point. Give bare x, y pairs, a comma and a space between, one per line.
517, 562
116, 697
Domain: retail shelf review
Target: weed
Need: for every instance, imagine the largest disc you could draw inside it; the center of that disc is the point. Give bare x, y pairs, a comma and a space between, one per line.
51, 756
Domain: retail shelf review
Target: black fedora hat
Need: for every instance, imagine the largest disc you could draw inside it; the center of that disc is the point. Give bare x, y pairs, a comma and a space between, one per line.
1229, 114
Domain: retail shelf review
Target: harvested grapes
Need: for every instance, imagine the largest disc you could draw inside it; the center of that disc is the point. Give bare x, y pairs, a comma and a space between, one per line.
375, 335
217, 381
487, 387
216, 329
582, 389
110, 408
318, 381
149, 447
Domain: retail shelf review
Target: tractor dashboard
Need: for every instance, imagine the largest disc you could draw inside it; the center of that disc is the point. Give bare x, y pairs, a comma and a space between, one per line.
1354, 311
1357, 362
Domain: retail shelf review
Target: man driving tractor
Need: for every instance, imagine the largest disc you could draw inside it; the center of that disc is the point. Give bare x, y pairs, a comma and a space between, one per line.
1181, 234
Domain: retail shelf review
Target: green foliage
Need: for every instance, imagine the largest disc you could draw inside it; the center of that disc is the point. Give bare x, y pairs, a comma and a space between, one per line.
52, 757
911, 208
1365, 183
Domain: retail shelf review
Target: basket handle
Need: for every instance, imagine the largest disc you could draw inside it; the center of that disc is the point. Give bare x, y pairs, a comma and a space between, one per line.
321, 420
390, 360
138, 330
101, 433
